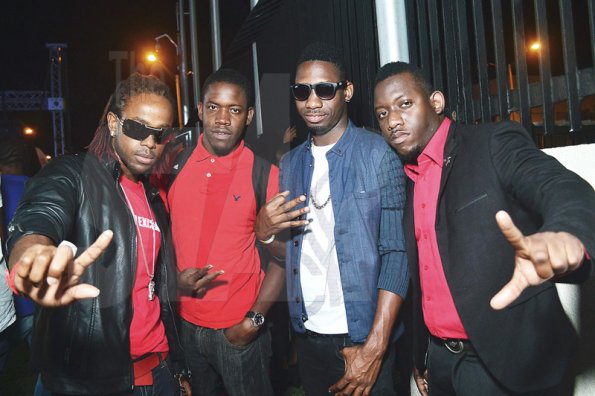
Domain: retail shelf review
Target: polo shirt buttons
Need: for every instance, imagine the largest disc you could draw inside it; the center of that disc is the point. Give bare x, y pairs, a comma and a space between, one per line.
212, 160
295, 243
209, 174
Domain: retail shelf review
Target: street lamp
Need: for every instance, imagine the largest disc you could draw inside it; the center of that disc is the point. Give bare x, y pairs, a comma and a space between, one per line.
27, 131
535, 46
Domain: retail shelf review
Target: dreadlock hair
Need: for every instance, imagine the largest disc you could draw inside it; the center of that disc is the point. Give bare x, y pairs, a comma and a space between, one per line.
324, 52
230, 76
136, 84
395, 68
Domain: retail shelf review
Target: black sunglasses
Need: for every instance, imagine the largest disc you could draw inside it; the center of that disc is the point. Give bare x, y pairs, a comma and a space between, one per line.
138, 131
324, 90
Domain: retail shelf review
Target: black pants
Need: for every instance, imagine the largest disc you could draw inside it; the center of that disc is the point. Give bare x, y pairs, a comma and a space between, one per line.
464, 374
321, 365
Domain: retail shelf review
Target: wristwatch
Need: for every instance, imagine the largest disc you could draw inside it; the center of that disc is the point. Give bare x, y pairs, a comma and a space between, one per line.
256, 317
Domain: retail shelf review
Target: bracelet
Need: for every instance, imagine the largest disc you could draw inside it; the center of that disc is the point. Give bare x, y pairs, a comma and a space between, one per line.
270, 240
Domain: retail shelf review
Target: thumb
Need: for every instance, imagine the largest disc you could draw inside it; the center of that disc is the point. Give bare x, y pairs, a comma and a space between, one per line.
510, 292
79, 292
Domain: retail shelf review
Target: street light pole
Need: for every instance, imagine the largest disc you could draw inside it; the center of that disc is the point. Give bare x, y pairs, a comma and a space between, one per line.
180, 97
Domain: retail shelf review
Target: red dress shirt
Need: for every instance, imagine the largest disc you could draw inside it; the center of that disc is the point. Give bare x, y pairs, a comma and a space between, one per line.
440, 315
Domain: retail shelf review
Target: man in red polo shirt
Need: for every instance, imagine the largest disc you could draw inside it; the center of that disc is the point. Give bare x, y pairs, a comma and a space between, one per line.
213, 209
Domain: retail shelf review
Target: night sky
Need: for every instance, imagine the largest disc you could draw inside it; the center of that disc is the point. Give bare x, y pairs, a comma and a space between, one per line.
91, 29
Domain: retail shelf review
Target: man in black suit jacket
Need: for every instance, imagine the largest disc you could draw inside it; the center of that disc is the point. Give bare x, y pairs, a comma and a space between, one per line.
487, 317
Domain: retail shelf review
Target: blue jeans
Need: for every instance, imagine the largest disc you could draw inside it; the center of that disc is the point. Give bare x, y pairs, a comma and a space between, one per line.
164, 384
244, 370
321, 365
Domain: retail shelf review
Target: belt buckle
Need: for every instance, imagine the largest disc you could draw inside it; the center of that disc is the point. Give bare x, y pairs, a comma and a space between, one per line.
455, 346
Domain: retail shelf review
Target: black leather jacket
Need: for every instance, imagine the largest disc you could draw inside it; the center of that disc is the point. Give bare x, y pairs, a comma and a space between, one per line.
84, 348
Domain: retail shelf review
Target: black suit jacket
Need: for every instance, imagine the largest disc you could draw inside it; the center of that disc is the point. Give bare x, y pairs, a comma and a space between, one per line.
493, 167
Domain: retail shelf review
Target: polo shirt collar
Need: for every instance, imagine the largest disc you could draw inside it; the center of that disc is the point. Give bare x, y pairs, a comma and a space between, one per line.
228, 161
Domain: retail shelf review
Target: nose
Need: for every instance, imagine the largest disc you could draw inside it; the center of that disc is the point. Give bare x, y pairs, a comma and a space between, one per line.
222, 117
394, 119
149, 142
313, 101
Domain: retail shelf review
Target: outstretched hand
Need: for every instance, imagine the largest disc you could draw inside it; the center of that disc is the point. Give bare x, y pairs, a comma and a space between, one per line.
50, 275
194, 281
278, 215
538, 258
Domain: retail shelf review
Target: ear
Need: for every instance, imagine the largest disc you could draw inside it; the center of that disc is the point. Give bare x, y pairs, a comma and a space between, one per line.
250, 115
348, 94
112, 123
437, 101
199, 108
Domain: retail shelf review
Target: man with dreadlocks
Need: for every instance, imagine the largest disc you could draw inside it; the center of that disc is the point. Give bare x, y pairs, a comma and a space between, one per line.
108, 328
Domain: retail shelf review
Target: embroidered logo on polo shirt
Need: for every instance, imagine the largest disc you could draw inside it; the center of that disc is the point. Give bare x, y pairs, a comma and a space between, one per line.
236, 197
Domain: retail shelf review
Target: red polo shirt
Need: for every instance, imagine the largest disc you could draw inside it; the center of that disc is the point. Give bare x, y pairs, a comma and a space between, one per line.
213, 210
440, 314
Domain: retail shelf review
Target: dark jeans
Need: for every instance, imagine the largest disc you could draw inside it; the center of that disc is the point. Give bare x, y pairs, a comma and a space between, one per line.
164, 384
244, 370
321, 365
4, 348
464, 374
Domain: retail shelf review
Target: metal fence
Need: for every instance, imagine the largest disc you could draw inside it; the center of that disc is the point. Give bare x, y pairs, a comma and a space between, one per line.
530, 61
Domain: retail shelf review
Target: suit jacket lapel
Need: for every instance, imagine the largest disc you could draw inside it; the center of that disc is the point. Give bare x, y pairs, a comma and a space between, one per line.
450, 153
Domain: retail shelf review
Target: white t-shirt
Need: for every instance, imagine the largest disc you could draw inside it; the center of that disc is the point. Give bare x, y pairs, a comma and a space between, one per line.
319, 266
7, 313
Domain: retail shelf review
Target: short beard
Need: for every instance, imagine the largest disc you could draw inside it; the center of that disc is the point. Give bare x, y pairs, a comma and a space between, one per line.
411, 156
320, 131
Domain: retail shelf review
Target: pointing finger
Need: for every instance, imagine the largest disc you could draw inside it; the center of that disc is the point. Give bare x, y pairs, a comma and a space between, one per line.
278, 199
293, 203
514, 236
199, 273
296, 213
201, 283
92, 252
510, 292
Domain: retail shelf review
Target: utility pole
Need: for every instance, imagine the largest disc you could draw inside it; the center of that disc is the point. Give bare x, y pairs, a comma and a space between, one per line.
56, 99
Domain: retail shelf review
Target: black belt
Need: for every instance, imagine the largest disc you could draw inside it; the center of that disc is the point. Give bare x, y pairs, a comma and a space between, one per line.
311, 333
454, 345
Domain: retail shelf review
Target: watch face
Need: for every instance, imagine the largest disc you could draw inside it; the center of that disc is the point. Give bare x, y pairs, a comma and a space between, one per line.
258, 319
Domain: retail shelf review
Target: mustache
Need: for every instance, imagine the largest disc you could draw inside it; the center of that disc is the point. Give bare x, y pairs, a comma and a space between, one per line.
146, 154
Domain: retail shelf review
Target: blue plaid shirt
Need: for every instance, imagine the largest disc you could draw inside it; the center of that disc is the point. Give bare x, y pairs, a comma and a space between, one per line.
367, 185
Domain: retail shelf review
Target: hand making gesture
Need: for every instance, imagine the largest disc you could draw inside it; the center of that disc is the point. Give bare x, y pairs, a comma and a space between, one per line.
538, 258
194, 281
50, 275
278, 215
